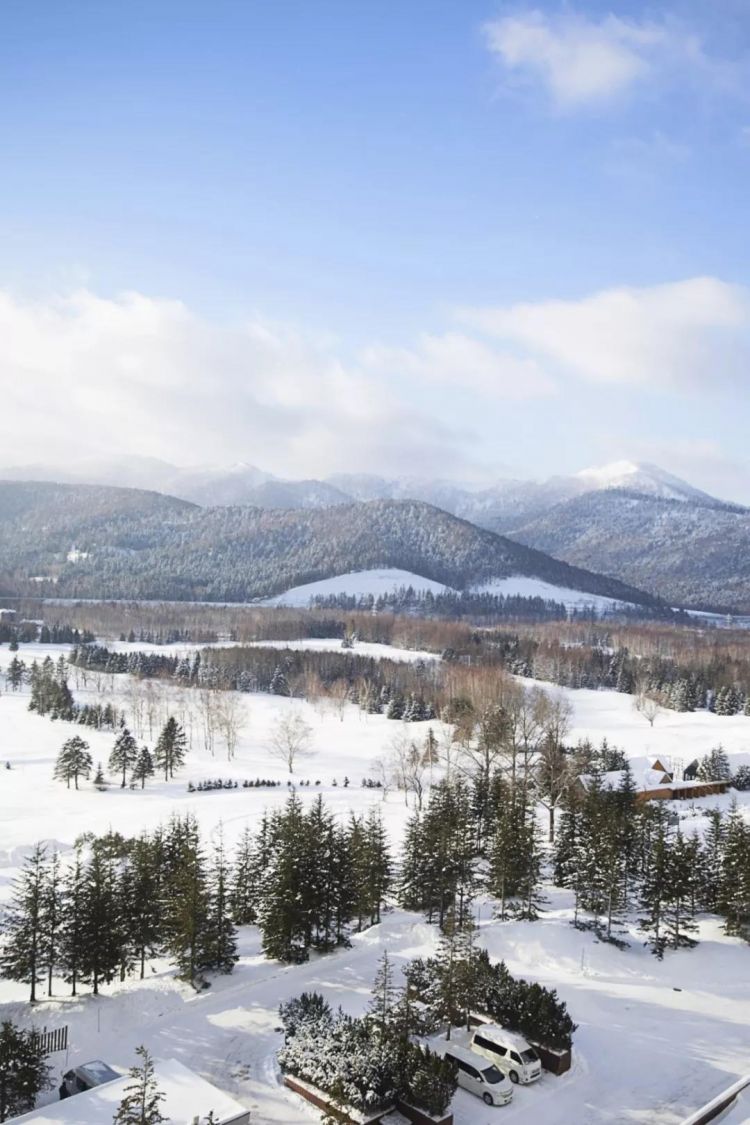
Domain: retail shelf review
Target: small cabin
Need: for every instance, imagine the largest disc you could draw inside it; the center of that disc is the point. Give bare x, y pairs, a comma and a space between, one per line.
658, 783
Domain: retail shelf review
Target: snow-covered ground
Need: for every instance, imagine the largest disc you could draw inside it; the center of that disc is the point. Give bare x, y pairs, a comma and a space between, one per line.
360, 648
356, 584
376, 582
654, 1042
518, 585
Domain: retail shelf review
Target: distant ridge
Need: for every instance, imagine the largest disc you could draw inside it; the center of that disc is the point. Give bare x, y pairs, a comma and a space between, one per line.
135, 544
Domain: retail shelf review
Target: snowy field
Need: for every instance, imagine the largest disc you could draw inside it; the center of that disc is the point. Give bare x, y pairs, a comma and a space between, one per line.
362, 648
355, 584
518, 585
362, 583
654, 1042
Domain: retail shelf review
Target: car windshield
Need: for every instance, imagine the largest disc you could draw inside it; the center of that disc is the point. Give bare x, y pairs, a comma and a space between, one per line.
529, 1056
492, 1074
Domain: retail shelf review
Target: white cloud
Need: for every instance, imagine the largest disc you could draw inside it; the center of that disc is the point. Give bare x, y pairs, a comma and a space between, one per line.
86, 375
693, 333
580, 61
464, 361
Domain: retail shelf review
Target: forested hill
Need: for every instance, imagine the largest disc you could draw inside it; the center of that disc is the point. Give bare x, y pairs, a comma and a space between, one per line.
98, 542
695, 554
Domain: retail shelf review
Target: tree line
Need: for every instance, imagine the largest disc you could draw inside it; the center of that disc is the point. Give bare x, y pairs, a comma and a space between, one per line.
102, 913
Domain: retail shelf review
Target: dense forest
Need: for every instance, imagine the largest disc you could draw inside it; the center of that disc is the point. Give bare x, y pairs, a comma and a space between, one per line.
83, 541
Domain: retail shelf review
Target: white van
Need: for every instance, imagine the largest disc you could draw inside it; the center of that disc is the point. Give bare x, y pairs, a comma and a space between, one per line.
508, 1051
476, 1076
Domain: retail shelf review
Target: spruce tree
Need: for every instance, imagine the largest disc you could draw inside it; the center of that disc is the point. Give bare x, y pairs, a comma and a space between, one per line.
243, 892
143, 767
187, 910
221, 936
734, 887
679, 923
283, 915
24, 1072
654, 891
101, 933
384, 995
71, 923
171, 748
124, 755
51, 914
142, 1097
73, 761
22, 958
142, 907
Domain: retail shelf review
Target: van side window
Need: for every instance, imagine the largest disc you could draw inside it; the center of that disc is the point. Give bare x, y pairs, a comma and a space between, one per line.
487, 1044
466, 1068
516, 1058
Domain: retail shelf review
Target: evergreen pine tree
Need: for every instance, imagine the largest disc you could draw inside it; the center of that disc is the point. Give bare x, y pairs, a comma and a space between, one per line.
143, 767
279, 685
22, 956
101, 929
142, 1097
221, 936
71, 922
50, 918
24, 1072
734, 887
124, 755
73, 761
654, 891
143, 907
243, 891
384, 994
171, 748
188, 907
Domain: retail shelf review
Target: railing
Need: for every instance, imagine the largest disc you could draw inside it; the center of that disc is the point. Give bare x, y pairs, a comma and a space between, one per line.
717, 1105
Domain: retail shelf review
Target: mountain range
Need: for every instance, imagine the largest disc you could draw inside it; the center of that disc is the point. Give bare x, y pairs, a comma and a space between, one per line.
94, 541
633, 522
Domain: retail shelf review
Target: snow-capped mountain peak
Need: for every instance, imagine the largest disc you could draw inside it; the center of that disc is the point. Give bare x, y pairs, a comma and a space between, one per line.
639, 477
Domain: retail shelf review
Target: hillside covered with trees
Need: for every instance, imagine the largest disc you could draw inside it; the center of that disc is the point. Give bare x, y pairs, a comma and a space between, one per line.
84, 541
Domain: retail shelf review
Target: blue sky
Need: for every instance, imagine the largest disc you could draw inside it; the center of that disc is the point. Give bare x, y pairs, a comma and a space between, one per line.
451, 238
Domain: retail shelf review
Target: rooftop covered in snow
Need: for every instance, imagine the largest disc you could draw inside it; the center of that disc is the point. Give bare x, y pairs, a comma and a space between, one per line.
188, 1098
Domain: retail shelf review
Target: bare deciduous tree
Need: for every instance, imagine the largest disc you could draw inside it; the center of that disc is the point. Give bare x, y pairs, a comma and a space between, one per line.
409, 768
230, 719
647, 704
291, 738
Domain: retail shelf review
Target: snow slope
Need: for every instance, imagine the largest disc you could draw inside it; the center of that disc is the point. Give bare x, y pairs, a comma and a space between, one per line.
355, 584
377, 582
518, 585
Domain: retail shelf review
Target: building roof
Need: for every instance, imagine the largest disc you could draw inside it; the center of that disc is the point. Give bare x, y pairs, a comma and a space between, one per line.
643, 780
187, 1096
648, 780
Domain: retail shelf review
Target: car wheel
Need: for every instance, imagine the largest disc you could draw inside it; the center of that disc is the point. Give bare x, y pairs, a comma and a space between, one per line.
488, 1099
513, 1077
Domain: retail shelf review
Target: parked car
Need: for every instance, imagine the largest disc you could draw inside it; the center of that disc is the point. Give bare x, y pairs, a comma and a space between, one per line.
85, 1077
508, 1051
476, 1076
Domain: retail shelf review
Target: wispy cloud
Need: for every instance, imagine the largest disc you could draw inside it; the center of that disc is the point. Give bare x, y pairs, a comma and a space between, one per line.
580, 61
461, 360
688, 334
87, 375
